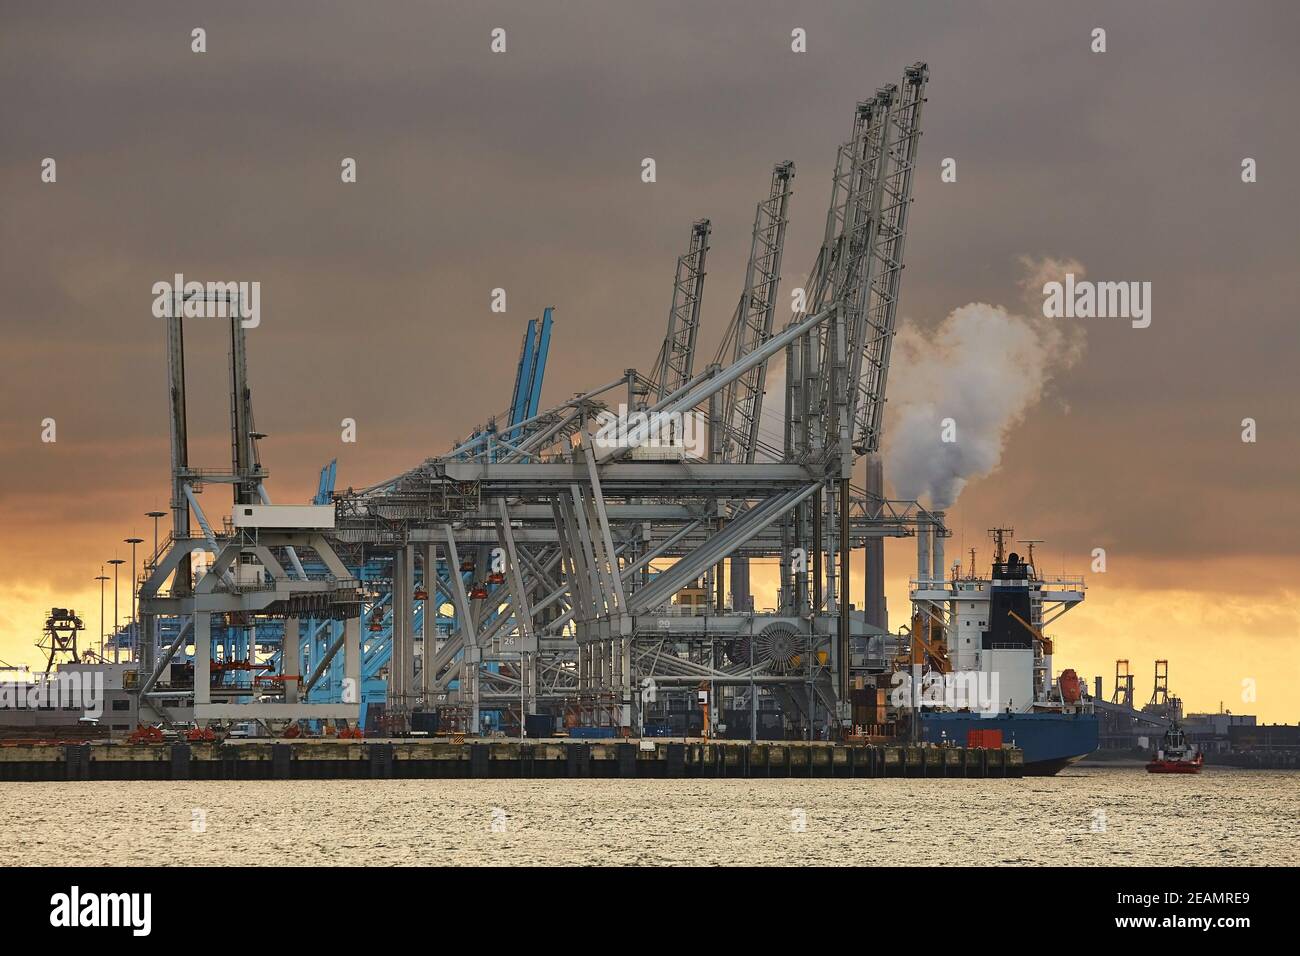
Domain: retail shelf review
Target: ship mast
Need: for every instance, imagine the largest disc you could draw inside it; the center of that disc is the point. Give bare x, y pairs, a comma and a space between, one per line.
999, 536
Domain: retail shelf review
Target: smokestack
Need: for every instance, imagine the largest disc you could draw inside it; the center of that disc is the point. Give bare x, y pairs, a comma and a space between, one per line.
877, 613
940, 572
922, 551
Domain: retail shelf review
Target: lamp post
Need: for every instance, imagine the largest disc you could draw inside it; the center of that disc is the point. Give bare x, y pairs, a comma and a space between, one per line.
115, 562
101, 579
135, 635
155, 515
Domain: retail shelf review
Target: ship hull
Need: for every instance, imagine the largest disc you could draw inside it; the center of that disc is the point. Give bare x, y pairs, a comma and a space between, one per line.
1174, 766
1051, 742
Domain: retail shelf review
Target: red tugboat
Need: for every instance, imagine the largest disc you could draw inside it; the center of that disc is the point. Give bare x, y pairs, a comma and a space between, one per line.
1176, 755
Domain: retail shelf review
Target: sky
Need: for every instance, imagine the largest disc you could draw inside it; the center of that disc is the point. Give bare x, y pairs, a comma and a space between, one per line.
522, 170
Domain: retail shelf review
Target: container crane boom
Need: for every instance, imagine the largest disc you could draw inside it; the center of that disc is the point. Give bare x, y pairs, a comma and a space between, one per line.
677, 355
751, 326
895, 187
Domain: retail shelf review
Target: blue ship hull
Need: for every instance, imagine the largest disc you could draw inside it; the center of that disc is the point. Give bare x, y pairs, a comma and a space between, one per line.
1050, 741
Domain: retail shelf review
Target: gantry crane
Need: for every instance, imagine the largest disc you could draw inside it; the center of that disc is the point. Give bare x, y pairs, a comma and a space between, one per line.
593, 542
1123, 694
60, 637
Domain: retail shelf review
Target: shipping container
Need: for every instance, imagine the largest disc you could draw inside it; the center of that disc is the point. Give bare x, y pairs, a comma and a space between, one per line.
987, 739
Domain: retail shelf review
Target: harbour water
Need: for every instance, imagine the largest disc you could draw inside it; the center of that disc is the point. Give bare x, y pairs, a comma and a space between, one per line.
1086, 816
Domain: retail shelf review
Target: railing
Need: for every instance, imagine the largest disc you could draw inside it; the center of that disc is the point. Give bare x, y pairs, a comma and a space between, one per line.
164, 545
1060, 583
683, 610
1064, 583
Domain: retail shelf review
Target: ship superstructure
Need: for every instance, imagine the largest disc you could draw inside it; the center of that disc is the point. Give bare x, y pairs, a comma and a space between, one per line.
992, 629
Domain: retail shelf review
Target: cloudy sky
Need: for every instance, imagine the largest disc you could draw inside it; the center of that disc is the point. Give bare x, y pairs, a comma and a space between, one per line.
522, 171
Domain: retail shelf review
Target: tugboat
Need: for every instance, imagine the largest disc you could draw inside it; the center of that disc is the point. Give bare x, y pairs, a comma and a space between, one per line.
1176, 755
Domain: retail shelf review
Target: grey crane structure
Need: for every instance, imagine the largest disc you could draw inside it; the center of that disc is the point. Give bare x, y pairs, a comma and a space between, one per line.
677, 356
592, 542
750, 328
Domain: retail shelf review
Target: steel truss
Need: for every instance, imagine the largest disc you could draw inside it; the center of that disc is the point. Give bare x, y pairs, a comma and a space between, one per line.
534, 569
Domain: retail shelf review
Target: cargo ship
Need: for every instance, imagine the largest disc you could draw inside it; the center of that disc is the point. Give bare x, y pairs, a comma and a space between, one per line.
1050, 741
991, 629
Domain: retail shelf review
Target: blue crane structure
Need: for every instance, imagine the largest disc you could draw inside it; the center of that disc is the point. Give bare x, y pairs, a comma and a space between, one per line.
318, 668
377, 573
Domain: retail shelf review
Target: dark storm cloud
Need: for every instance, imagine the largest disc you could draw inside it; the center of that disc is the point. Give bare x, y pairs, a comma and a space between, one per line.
522, 171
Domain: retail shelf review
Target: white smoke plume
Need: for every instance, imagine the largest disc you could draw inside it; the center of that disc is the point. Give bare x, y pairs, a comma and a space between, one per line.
978, 374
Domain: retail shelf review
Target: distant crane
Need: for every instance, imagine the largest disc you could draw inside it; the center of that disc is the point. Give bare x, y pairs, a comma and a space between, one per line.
60, 636
1160, 693
1123, 694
